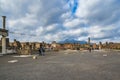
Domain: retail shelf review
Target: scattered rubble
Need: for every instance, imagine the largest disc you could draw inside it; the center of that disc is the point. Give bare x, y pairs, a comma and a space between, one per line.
34, 57
104, 55
23, 56
70, 51
65, 53
12, 61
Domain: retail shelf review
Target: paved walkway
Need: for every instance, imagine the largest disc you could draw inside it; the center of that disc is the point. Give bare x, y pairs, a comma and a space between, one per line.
62, 65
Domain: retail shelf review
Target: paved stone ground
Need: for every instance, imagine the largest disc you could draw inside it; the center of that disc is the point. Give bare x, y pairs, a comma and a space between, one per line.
63, 65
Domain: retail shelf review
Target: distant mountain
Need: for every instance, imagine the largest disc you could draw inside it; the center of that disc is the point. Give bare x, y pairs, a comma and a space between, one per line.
72, 41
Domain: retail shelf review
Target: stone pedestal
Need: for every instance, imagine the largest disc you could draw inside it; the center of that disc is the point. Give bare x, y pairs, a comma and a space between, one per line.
4, 51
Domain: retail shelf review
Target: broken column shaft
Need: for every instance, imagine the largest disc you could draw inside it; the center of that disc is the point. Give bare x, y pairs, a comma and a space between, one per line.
4, 21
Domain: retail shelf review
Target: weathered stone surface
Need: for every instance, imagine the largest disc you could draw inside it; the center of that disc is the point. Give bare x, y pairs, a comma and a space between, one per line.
60, 66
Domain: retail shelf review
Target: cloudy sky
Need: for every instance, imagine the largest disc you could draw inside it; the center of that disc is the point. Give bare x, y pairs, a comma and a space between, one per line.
56, 20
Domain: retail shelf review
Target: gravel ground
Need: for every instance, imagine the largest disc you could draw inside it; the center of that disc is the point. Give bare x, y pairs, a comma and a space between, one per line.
62, 65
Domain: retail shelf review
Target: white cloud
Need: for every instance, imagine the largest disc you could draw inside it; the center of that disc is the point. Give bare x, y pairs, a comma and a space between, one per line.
35, 8
27, 21
54, 20
85, 6
66, 15
52, 27
39, 31
98, 11
102, 33
74, 23
51, 37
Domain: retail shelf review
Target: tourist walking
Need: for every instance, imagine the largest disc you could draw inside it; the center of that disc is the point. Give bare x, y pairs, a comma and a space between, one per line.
41, 50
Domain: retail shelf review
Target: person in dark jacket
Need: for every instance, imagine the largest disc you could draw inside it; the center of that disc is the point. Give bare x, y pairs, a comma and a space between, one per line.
41, 50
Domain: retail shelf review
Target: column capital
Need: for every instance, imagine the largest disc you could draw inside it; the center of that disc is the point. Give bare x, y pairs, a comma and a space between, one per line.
3, 16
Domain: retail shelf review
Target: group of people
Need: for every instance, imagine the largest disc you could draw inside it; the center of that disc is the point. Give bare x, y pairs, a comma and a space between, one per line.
41, 50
